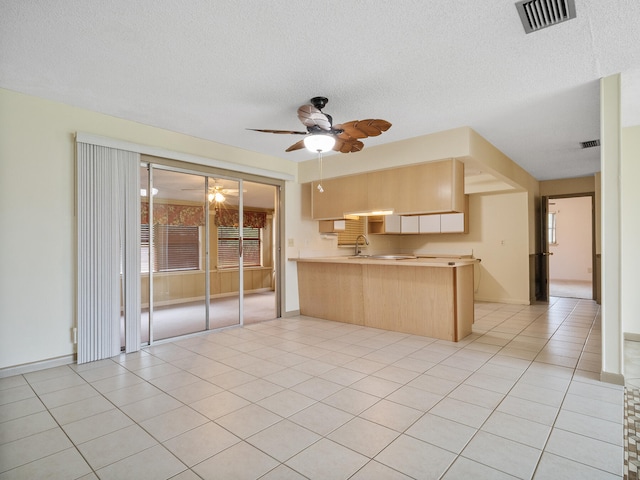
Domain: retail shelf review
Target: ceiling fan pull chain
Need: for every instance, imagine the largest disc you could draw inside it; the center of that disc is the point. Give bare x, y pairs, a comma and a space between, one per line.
320, 189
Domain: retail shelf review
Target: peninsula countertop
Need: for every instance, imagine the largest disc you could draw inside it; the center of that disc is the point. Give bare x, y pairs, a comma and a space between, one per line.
401, 260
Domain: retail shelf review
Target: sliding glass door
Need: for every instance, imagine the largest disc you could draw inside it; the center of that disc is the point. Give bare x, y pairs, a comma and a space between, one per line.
208, 258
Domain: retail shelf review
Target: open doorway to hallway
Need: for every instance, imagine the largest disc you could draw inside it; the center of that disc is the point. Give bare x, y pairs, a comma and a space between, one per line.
570, 246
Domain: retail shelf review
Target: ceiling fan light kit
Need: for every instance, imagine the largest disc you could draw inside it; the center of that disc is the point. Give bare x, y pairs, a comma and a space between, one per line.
319, 142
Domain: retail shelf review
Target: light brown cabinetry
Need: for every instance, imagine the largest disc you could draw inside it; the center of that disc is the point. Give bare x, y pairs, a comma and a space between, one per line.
435, 301
332, 226
340, 195
434, 187
383, 224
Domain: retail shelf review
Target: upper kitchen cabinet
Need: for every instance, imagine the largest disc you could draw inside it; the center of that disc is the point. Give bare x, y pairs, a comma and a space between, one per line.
339, 196
435, 187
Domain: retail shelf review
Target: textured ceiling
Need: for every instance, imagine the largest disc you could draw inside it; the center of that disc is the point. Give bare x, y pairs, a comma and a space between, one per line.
211, 69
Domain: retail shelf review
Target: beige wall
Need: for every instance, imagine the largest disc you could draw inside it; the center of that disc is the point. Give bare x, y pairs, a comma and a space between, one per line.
498, 235
37, 185
572, 257
630, 230
568, 186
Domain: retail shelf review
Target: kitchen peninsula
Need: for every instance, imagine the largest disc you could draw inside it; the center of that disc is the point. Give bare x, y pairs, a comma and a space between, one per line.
423, 296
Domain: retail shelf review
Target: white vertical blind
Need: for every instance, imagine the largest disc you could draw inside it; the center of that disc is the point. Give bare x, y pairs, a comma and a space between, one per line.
108, 222
129, 209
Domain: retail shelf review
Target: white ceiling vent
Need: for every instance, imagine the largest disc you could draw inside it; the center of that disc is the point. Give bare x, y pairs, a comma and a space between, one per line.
539, 14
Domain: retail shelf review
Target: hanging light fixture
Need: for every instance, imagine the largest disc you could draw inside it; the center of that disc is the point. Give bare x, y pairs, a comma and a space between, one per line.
319, 142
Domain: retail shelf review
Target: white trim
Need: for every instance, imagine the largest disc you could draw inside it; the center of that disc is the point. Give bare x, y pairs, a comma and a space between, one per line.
36, 366
83, 137
612, 377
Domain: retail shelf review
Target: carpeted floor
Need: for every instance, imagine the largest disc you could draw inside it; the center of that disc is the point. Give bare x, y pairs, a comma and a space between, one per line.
185, 318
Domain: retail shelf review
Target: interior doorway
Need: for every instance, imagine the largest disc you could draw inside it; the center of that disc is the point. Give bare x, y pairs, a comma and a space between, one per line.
570, 244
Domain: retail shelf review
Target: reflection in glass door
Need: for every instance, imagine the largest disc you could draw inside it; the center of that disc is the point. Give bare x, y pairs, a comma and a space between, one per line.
225, 240
145, 195
177, 254
260, 256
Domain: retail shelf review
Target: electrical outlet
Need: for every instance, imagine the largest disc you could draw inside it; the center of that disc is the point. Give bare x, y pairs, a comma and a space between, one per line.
589, 270
290, 242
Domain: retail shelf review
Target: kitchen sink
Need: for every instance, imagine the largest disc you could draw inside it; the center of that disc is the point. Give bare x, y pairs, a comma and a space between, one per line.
385, 257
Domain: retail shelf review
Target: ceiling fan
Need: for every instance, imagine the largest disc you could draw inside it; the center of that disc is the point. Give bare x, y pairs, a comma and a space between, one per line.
217, 192
343, 138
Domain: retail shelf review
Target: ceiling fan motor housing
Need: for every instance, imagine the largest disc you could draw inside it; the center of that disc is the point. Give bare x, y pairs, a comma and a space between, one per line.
319, 102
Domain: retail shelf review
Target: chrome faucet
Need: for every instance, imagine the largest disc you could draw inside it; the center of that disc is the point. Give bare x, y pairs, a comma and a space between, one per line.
366, 242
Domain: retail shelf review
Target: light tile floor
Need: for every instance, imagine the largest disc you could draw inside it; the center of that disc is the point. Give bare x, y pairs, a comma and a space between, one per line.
297, 398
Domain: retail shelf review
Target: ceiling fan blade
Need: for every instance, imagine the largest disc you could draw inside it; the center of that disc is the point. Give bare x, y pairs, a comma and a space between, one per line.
292, 132
296, 146
348, 145
310, 116
371, 127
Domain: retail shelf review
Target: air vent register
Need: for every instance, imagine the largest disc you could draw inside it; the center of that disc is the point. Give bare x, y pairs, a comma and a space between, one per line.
539, 14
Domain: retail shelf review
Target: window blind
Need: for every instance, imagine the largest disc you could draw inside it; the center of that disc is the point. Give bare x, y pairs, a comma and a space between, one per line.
228, 244
353, 228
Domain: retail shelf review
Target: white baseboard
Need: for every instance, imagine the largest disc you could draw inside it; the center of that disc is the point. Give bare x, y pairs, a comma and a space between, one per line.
510, 301
609, 377
35, 366
291, 313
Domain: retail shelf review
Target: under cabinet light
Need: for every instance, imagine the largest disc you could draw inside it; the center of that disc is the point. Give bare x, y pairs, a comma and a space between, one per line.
371, 213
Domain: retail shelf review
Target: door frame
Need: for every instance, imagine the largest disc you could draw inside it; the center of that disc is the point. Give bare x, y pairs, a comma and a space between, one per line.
543, 280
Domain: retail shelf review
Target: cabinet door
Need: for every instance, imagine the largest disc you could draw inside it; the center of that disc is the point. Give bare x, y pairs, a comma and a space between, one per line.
332, 226
339, 196
429, 223
392, 224
452, 223
409, 224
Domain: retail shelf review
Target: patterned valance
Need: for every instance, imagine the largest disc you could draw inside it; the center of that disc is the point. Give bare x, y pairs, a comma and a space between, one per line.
231, 218
169, 214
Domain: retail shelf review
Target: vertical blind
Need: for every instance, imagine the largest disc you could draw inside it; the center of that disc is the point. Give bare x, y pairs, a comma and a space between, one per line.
108, 229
